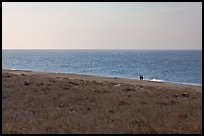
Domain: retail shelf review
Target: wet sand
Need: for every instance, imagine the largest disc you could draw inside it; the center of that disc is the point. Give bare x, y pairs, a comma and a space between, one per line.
37, 102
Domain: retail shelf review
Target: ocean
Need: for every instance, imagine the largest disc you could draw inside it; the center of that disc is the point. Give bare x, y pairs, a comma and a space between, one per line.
177, 66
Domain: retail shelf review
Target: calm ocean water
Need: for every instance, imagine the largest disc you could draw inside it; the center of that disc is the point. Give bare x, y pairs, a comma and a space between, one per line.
168, 66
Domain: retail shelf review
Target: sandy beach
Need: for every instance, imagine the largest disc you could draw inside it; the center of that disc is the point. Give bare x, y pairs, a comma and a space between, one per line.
37, 102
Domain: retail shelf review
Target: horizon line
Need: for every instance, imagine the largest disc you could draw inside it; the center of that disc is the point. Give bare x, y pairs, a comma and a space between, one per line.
101, 49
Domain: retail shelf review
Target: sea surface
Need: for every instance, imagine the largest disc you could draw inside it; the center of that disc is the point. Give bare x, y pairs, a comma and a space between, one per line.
178, 66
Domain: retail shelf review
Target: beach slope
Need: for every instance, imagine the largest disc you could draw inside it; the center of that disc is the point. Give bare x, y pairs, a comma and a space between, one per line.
37, 102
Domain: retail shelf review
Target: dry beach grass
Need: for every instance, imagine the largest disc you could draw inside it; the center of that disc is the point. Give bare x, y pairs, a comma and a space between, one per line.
35, 102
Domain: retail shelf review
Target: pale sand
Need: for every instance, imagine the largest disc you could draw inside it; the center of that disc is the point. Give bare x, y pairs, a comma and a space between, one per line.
37, 102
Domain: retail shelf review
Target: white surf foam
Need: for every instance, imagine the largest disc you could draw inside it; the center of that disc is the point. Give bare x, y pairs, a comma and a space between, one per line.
156, 80
11, 69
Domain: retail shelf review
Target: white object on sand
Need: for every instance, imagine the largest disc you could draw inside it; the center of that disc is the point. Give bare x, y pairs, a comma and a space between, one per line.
118, 85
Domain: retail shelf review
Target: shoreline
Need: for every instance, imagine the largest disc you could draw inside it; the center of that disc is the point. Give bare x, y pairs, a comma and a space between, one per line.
114, 77
47, 103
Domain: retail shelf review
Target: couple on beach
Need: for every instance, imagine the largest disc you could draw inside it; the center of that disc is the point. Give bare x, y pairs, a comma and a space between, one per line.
141, 77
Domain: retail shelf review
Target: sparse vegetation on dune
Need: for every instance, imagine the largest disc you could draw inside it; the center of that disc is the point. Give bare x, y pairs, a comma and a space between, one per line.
45, 103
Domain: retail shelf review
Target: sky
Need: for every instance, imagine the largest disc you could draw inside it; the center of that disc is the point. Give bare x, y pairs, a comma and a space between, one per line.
101, 25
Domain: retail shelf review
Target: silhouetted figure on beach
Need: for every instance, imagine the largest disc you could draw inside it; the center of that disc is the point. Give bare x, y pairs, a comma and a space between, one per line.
141, 77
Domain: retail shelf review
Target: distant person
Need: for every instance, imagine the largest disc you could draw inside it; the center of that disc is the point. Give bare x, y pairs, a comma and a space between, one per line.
141, 77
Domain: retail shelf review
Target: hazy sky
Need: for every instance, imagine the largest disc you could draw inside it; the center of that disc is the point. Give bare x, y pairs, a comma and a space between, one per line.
116, 25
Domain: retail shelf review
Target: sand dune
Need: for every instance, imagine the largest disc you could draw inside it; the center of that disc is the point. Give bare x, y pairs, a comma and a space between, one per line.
37, 102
